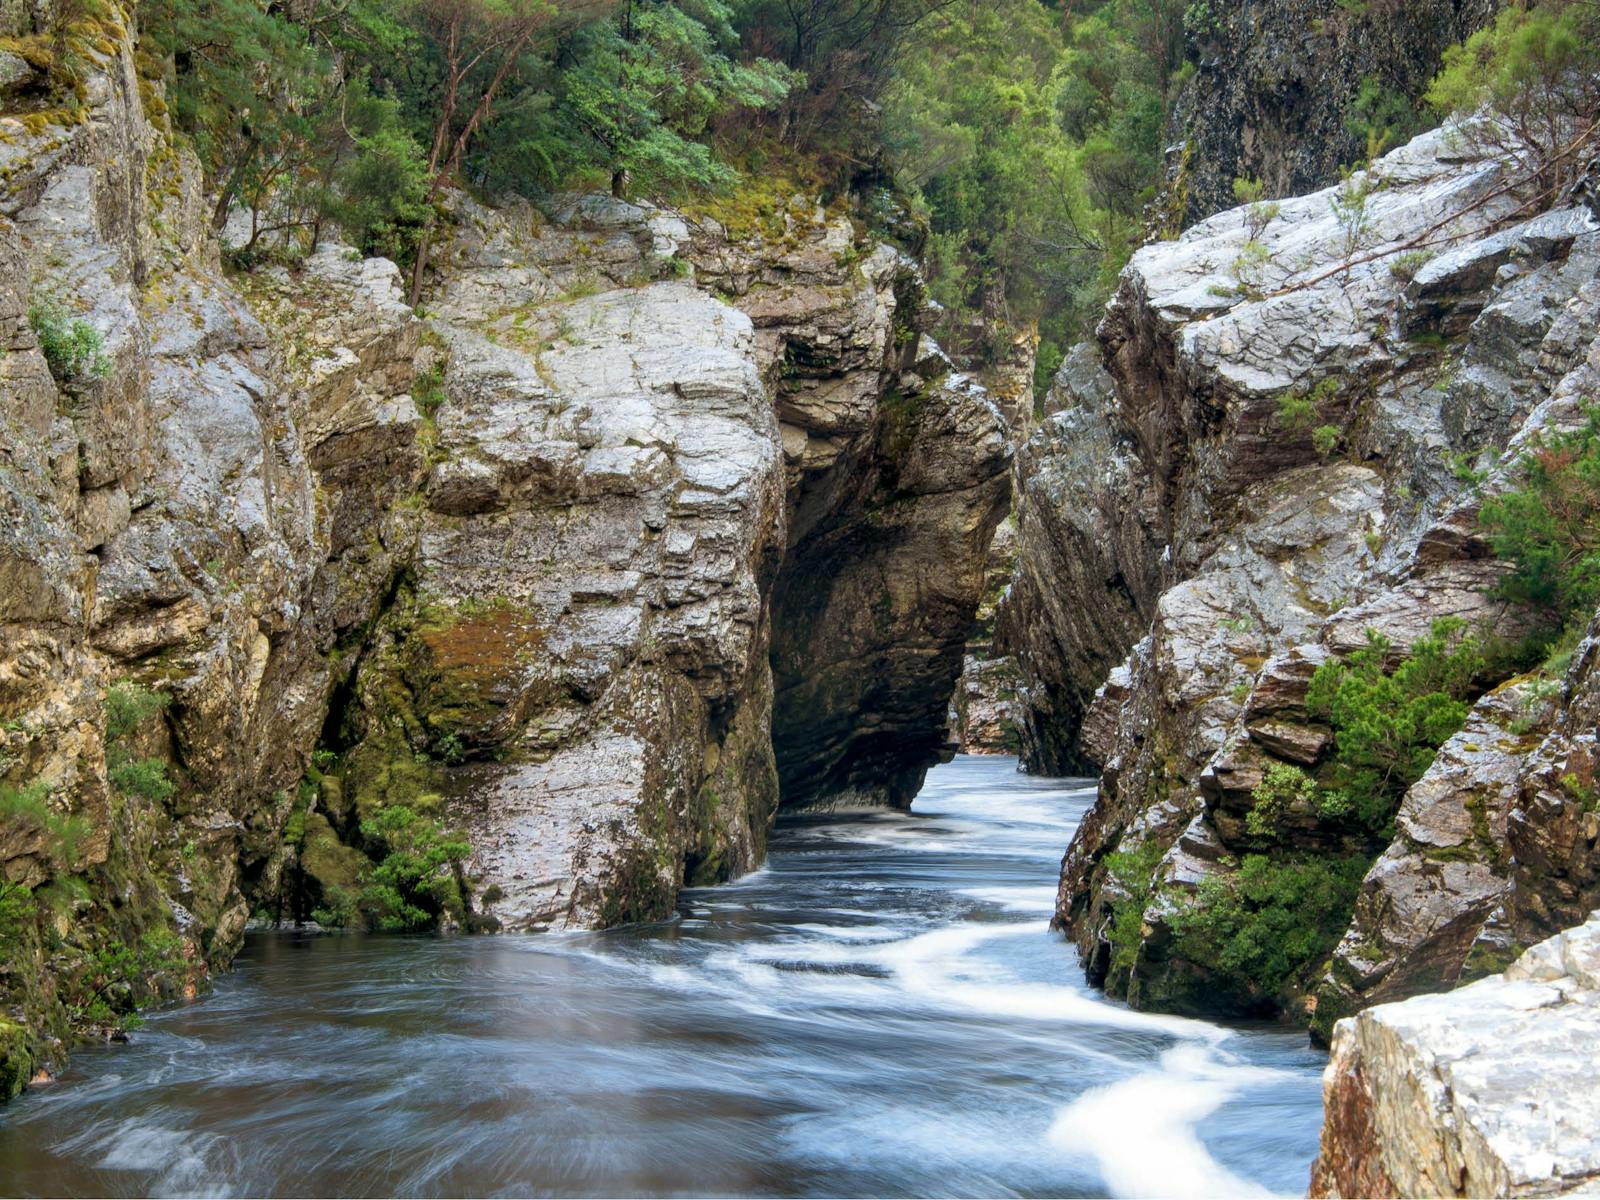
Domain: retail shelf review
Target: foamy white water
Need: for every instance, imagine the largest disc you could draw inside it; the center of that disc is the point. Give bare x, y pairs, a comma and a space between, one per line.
881, 1010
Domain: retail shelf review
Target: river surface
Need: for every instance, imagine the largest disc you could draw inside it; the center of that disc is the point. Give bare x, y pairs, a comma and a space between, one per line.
880, 1010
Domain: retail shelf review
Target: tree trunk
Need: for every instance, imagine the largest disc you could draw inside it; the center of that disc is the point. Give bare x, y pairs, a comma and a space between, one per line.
421, 264
219, 214
619, 183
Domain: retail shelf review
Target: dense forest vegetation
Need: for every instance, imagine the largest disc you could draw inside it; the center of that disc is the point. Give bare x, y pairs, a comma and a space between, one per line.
1022, 137
1025, 137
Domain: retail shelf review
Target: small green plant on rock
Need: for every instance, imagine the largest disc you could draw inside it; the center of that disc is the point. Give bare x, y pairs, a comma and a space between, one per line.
418, 875
72, 348
1258, 213
1404, 266
1350, 210
1282, 786
1261, 927
1388, 725
1133, 871
1325, 440
1549, 528
1300, 406
129, 705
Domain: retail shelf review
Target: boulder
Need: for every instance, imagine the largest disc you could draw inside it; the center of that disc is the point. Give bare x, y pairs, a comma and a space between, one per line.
1484, 1091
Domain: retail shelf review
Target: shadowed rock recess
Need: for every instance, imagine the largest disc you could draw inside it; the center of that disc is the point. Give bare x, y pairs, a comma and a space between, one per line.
640, 531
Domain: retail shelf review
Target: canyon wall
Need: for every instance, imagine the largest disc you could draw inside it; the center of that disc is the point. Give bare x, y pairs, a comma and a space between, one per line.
636, 528
1290, 92
1256, 474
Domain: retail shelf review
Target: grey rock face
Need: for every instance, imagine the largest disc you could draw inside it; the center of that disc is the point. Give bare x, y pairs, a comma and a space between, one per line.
1484, 1091
589, 615
1259, 554
1091, 566
1275, 92
517, 570
207, 515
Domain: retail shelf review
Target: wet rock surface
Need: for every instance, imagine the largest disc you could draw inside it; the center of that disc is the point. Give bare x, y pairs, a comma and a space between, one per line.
1206, 534
559, 566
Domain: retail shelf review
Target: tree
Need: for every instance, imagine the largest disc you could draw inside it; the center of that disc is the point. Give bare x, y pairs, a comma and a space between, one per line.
633, 96
1535, 73
480, 44
1033, 138
242, 80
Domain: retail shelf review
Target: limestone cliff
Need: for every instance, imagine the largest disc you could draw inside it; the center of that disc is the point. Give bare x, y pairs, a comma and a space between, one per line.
638, 527
1267, 467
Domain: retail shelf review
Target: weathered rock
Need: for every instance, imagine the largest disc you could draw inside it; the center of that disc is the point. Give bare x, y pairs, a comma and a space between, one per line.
205, 516
1484, 1091
589, 617
983, 712
1274, 96
1086, 583
1270, 562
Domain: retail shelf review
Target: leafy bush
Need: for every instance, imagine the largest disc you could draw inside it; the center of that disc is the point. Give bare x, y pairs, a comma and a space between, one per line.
71, 346
1388, 726
129, 705
1261, 927
1325, 440
417, 876
1282, 786
1382, 118
1134, 872
1549, 527
1536, 71
118, 976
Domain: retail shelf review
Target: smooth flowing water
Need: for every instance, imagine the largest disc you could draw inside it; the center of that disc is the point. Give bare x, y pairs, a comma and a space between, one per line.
880, 1010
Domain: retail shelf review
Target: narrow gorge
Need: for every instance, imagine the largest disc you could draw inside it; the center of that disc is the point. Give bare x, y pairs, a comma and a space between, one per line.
435, 540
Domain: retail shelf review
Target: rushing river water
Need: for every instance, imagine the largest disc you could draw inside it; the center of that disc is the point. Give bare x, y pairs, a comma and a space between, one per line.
879, 1011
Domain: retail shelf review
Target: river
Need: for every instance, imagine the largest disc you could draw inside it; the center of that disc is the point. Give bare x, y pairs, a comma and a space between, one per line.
880, 1010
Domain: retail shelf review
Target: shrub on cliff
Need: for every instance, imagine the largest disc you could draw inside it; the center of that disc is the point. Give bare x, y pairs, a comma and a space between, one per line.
1261, 926
1388, 725
129, 705
72, 347
1549, 528
418, 873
